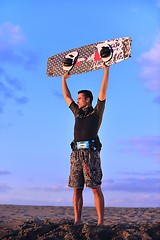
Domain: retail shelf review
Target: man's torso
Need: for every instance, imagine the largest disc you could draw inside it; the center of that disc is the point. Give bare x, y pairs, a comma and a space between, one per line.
88, 121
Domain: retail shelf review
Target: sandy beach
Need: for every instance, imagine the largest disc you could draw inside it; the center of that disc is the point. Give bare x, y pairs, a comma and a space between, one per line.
49, 222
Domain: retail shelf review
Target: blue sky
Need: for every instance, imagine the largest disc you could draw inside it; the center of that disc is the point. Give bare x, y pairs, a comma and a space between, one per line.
36, 126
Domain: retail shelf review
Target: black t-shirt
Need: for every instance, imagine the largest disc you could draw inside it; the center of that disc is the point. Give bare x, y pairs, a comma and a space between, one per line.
88, 121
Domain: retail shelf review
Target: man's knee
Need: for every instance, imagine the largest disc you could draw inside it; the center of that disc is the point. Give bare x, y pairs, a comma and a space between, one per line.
78, 192
97, 190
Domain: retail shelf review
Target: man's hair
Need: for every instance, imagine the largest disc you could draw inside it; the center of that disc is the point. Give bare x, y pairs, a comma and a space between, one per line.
87, 94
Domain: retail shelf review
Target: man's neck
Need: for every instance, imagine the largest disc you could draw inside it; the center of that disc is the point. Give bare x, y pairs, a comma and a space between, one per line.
87, 106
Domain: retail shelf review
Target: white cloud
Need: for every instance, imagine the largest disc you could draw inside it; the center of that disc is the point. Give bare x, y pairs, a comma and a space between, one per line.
146, 146
132, 199
10, 35
153, 173
138, 184
131, 192
13, 49
15, 53
150, 66
54, 188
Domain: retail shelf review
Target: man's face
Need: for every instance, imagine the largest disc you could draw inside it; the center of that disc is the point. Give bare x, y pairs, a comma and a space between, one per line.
82, 101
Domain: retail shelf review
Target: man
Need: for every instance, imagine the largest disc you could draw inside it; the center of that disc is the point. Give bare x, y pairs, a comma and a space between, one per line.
85, 157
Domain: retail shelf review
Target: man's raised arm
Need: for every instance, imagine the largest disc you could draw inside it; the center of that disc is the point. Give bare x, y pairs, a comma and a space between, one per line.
104, 84
66, 93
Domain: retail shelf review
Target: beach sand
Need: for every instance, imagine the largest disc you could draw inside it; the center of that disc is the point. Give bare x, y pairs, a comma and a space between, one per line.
49, 222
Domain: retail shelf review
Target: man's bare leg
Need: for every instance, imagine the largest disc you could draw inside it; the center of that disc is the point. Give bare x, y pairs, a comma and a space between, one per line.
77, 204
99, 204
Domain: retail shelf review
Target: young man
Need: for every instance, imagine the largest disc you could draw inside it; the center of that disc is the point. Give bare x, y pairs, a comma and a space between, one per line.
85, 157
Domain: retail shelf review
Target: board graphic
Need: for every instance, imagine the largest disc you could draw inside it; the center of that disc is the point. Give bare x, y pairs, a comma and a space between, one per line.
90, 57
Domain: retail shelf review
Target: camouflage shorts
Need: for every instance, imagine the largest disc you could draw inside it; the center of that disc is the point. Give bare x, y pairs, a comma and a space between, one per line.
85, 167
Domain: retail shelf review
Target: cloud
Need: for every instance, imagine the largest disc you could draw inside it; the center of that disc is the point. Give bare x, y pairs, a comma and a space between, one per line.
9, 84
57, 94
150, 67
14, 53
4, 188
13, 48
9, 90
143, 184
4, 172
22, 100
10, 35
138, 200
146, 146
131, 192
54, 188
140, 174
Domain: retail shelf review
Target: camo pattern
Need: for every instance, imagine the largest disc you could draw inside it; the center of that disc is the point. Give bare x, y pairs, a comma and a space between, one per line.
85, 167
89, 58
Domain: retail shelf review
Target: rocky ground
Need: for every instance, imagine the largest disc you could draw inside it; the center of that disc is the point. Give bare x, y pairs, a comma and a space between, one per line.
39, 222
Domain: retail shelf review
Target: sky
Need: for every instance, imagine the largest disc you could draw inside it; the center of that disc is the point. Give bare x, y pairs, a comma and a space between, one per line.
36, 125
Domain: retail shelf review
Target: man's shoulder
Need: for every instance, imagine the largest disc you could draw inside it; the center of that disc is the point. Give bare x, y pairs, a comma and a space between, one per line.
74, 107
101, 101
100, 105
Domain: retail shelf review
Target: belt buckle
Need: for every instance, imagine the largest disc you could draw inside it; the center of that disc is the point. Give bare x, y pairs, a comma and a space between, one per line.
83, 145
